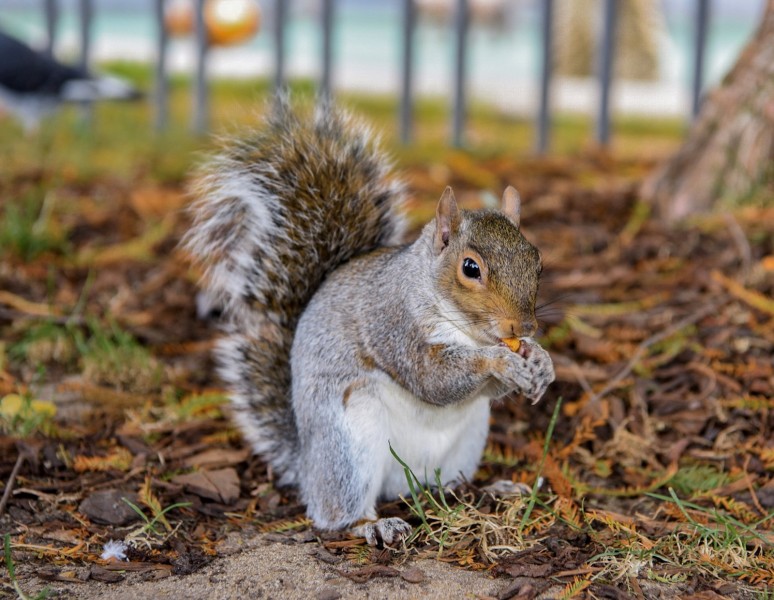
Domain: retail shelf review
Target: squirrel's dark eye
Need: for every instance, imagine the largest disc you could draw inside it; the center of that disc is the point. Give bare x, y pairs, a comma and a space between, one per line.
471, 269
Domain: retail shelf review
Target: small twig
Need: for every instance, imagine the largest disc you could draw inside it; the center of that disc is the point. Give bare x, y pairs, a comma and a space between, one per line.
574, 572
579, 376
741, 242
748, 480
645, 344
11, 482
15, 315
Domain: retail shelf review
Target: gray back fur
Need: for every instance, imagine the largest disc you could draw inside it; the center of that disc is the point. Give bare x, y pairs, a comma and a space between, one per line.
277, 211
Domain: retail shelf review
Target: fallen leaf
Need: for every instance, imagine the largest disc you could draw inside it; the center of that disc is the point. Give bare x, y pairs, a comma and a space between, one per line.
13, 405
217, 458
221, 485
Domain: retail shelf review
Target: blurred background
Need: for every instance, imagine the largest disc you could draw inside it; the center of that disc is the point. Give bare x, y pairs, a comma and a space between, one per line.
504, 46
486, 95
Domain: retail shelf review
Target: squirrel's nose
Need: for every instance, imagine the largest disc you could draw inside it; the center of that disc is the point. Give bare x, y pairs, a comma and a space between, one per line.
510, 328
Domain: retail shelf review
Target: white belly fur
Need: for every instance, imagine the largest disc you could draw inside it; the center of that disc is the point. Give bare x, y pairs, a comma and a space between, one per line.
427, 437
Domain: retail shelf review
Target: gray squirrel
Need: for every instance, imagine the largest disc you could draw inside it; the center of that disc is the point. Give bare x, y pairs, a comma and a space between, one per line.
340, 340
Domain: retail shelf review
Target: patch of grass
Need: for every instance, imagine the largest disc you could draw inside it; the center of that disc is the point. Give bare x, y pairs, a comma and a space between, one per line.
113, 357
460, 520
704, 541
27, 228
159, 516
22, 416
691, 480
427, 507
120, 141
150, 534
198, 405
689, 540
106, 354
48, 342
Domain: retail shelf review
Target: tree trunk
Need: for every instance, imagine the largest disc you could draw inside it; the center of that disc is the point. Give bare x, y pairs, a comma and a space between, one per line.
640, 25
729, 151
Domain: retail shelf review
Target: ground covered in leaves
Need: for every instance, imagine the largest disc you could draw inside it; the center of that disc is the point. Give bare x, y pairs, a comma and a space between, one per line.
651, 458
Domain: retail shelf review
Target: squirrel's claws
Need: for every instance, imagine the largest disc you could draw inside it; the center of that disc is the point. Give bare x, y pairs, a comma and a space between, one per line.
389, 530
502, 488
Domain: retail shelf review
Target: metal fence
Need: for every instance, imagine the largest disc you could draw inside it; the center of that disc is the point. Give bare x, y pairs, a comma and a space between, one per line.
461, 22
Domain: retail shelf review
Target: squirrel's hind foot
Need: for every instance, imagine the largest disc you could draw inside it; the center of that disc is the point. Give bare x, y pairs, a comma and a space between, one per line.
503, 488
390, 530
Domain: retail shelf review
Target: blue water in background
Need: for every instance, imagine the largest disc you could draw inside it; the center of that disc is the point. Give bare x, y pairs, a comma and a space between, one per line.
367, 37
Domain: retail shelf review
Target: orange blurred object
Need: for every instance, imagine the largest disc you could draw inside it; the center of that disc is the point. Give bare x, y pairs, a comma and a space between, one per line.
513, 343
228, 22
179, 18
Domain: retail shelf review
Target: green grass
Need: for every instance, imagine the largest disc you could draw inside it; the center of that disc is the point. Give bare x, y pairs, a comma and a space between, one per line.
113, 357
107, 354
27, 228
119, 141
47, 342
445, 523
159, 516
22, 416
692, 480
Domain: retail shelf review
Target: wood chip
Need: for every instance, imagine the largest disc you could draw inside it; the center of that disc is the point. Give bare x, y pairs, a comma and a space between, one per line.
413, 575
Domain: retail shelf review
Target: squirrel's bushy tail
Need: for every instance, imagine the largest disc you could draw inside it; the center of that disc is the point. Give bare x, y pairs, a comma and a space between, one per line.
277, 211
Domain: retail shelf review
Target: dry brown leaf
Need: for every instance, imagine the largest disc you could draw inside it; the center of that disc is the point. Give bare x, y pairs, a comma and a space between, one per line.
221, 485
217, 458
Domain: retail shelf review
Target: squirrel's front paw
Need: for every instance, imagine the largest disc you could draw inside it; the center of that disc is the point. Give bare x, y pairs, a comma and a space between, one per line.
388, 530
540, 369
529, 370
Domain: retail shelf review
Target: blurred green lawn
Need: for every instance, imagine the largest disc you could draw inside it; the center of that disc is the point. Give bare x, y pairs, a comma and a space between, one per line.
120, 140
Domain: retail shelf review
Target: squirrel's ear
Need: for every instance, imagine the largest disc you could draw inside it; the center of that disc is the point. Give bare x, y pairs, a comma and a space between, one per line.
447, 218
511, 205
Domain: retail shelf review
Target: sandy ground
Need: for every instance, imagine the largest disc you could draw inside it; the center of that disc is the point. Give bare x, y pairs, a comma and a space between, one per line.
268, 569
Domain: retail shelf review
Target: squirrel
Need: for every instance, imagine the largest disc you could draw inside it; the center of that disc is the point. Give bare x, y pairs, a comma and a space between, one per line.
341, 341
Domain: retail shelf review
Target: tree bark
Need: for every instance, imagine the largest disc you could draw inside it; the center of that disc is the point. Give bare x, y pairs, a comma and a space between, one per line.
728, 155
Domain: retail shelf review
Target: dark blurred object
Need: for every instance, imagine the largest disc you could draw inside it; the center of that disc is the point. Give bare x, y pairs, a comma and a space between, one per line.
32, 84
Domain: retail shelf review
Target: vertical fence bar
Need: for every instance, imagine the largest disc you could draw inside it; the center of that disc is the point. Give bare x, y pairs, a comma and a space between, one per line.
406, 105
52, 19
279, 44
86, 13
702, 25
199, 120
327, 47
544, 111
160, 97
605, 71
461, 17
